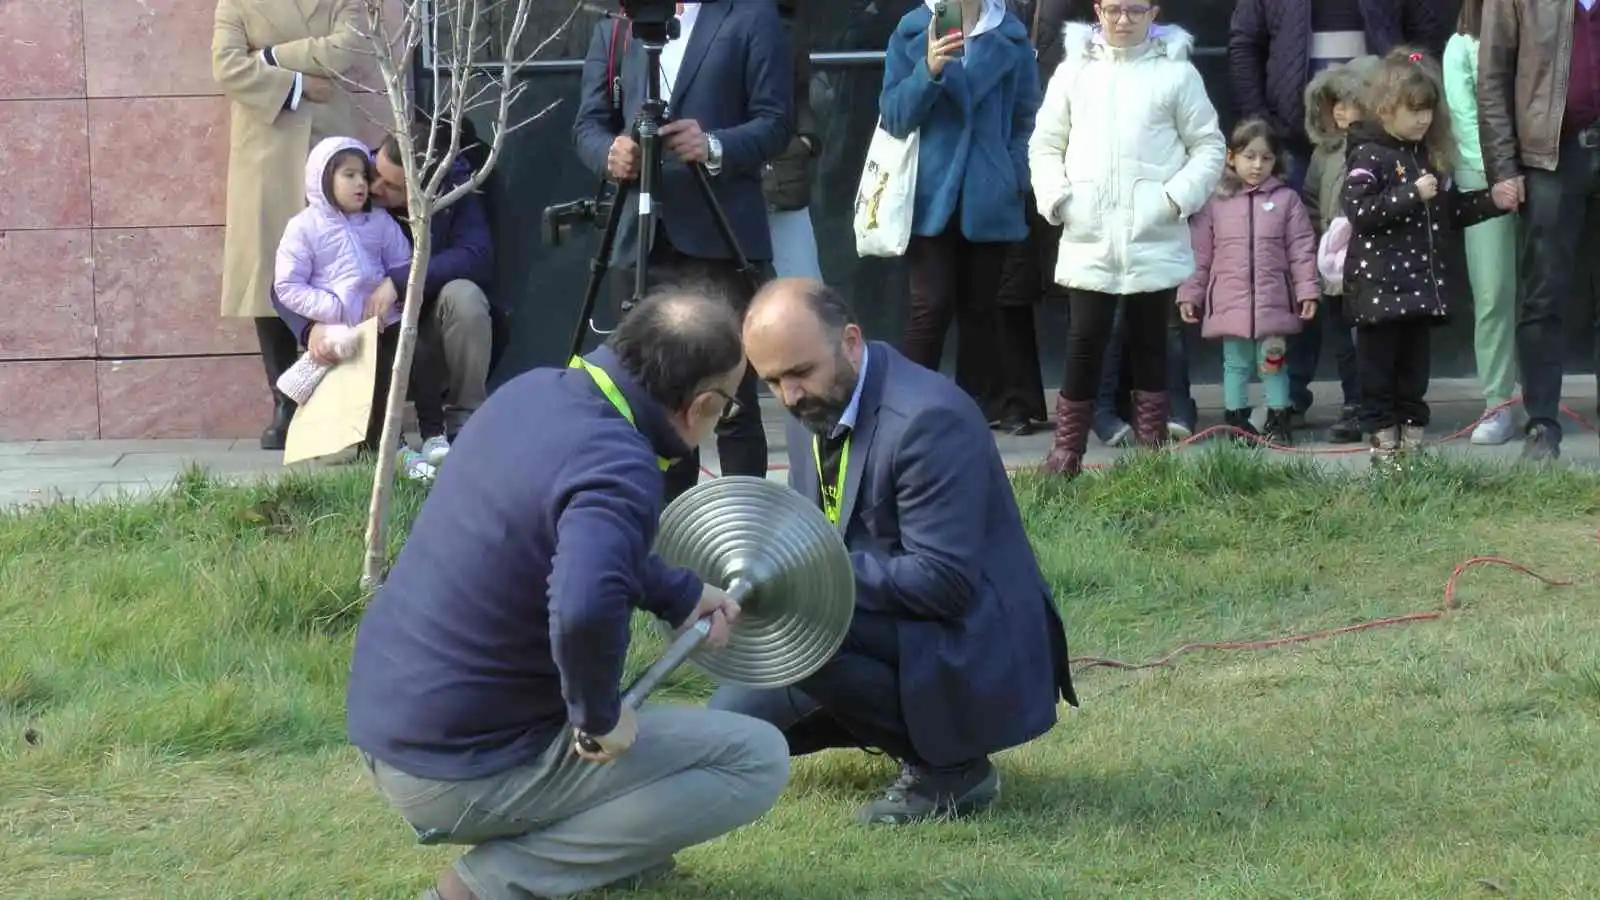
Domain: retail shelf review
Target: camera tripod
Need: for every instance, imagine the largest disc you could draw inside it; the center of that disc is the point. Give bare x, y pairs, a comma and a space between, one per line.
646, 131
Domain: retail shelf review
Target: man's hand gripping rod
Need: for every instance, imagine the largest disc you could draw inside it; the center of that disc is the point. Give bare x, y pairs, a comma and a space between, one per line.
678, 652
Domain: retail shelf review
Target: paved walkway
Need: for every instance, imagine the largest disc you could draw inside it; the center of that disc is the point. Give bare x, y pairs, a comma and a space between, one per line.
46, 471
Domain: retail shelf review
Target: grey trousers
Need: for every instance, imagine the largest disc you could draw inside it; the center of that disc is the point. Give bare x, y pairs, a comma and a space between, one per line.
461, 316
561, 825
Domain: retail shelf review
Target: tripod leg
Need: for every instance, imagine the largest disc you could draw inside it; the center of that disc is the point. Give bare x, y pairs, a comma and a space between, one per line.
645, 132
724, 228
598, 267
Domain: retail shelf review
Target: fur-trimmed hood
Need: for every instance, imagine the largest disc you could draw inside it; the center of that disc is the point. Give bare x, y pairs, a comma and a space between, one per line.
1082, 39
1344, 81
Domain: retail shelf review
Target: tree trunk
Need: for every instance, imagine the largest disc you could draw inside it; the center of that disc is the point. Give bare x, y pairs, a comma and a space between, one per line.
372, 570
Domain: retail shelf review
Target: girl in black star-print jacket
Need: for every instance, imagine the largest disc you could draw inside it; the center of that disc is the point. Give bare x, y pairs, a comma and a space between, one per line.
1400, 204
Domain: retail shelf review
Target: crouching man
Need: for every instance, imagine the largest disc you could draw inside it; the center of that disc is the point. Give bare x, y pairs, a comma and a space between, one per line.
956, 650
502, 630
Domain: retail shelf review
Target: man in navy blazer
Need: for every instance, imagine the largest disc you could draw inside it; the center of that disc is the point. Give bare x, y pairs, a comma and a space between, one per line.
727, 80
956, 650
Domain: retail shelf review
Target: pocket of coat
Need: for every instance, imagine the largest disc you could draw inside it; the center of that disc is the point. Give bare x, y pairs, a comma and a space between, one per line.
1080, 220
1151, 209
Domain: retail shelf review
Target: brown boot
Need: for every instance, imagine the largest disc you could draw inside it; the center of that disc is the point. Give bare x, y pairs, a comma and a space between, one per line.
1073, 418
1150, 410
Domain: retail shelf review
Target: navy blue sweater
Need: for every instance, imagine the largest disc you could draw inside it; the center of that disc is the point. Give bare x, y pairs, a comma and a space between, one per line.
506, 615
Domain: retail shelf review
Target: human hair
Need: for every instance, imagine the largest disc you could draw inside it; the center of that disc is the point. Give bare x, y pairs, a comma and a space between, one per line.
390, 148
1470, 20
339, 159
1244, 134
830, 307
1407, 77
677, 341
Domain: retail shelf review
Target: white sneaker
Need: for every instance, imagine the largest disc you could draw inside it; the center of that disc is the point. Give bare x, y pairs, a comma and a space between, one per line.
435, 449
414, 466
1176, 431
1496, 428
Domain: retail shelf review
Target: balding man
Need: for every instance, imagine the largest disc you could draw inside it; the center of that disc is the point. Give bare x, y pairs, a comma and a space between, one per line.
503, 628
956, 650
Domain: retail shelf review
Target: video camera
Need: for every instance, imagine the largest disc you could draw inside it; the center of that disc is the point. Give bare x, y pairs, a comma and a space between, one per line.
559, 219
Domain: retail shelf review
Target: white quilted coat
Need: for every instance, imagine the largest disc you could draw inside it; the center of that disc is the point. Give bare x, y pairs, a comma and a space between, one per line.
1120, 132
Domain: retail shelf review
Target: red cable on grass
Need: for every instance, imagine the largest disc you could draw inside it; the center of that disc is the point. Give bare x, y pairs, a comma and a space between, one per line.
1450, 603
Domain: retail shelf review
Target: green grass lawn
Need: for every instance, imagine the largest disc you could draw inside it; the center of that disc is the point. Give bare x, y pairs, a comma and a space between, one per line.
172, 722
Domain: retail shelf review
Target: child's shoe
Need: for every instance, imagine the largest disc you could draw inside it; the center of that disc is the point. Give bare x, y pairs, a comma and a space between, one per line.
1385, 446
414, 466
1347, 428
435, 449
1412, 438
1279, 429
1240, 419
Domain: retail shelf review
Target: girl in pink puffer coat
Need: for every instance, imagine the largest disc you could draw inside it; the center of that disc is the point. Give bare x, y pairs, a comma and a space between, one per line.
1255, 276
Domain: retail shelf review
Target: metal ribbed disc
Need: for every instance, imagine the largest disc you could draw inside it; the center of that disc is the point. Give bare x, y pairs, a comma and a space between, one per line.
741, 527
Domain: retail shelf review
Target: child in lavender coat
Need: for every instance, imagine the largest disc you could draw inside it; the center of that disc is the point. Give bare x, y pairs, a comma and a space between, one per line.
333, 267
1255, 277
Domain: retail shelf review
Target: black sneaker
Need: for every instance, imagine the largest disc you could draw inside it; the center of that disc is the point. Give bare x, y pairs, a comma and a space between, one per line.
920, 796
1347, 428
1542, 443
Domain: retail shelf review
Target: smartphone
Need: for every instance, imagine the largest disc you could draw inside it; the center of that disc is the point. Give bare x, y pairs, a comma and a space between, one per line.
947, 19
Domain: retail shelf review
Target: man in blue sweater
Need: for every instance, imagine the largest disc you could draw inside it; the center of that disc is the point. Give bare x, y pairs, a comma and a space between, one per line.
504, 625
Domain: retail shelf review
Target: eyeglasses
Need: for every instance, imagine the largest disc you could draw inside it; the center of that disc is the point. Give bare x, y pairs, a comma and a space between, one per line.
731, 411
1127, 13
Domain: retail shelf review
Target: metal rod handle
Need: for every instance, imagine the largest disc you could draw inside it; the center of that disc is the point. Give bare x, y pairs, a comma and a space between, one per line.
677, 653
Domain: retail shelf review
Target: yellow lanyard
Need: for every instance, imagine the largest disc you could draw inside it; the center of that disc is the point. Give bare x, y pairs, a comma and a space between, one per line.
613, 393
831, 496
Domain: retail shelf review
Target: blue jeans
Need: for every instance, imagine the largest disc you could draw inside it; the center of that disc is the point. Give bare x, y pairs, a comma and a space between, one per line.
794, 244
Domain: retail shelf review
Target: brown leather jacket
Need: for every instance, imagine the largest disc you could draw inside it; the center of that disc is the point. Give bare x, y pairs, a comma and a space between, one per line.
1524, 59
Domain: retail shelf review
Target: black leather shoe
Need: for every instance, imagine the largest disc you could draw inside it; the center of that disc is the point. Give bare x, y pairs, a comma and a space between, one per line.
277, 433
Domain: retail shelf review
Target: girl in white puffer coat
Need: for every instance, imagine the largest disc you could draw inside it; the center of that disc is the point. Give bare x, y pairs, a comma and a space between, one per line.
1125, 148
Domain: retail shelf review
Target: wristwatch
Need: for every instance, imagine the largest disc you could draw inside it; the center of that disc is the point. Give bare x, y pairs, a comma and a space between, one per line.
713, 152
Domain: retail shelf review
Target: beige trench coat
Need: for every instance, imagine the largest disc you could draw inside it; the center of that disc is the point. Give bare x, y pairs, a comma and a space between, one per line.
268, 144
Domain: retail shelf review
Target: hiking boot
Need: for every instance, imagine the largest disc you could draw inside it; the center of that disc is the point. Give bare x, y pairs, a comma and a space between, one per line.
1071, 437
1279, 428
918, 795
1150, 422
1347, 428
1239, 419
1542, 443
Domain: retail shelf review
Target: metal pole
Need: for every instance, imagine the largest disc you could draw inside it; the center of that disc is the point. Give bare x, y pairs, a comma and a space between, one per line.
677, 653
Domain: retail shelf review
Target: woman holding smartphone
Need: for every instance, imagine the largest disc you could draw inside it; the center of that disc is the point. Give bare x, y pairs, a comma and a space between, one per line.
963, 73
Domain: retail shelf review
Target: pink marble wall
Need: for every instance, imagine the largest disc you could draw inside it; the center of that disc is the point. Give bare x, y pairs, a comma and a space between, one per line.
112, 183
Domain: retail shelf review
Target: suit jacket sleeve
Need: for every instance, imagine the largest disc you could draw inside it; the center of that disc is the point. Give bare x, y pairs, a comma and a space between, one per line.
1497, 81
769, 75
258, 88
595, 124
939, 489
330, 56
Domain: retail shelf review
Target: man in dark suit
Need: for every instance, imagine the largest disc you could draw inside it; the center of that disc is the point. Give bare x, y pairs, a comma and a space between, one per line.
956, 650
727, 81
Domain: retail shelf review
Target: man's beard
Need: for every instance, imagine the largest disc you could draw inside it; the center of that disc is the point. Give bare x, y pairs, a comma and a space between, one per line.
820, 415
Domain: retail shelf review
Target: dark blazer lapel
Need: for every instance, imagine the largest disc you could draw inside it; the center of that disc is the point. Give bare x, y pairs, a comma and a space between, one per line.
708, 21
861, 436
802, 462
